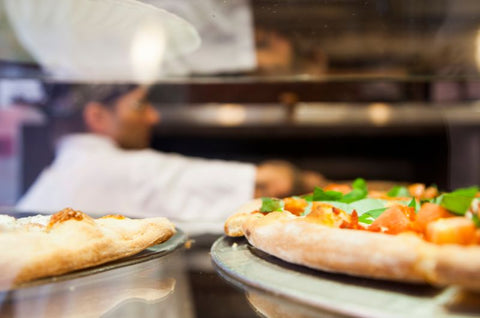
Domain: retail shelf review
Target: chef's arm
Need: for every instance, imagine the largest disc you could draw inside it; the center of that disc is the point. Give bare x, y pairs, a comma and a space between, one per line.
280, 179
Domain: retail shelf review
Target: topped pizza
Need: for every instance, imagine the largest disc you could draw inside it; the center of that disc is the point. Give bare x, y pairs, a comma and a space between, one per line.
410, 234
49, 245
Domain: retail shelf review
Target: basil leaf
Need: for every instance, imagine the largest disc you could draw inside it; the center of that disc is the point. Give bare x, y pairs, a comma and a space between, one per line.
359, 191
457, 204
370, 216
459, 201
360, 184
271, 205
413, 204
308, 197
320, 195
476, 220
468, 192
365, 205
354, 195
398, 191
437, 200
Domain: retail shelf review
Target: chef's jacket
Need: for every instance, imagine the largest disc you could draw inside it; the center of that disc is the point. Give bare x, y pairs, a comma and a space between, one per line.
90, 173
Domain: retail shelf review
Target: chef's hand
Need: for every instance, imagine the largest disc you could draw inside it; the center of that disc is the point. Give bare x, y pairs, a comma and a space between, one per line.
281, 179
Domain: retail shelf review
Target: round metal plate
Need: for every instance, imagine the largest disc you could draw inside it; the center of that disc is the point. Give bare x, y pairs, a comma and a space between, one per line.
247, 267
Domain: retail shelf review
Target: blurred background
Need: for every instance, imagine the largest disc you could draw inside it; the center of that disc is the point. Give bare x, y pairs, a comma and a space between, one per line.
380, 89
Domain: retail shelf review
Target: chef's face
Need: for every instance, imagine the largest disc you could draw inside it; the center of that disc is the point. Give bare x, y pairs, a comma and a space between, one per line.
132, 121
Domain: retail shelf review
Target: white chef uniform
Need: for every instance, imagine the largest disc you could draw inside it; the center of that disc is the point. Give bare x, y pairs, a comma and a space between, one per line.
90, 173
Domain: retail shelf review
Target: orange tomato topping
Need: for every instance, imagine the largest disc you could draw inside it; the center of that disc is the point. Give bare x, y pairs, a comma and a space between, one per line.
454, 230
429, 212
353, 224
416, 190
295, 205
327, 215
395, 220
430, 193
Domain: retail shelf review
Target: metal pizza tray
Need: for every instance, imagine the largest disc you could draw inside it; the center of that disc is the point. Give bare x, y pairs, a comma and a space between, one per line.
252, 270
156, 251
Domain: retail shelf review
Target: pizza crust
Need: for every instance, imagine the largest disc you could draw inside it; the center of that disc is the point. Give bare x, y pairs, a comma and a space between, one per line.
233, 225
403, 257
72, 240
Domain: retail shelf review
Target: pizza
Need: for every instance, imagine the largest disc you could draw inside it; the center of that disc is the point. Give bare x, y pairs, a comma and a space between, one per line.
409, 233
49, 245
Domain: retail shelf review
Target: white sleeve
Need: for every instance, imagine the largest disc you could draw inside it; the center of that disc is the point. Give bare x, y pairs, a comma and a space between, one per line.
189, 189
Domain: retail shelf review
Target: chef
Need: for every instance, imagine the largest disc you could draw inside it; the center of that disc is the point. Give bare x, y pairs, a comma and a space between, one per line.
102, 165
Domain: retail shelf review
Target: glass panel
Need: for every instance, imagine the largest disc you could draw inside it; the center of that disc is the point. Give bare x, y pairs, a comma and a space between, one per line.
241, 39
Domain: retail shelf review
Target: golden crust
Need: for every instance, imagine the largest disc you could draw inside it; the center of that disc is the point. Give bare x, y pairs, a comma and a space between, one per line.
74, 241
233, 225
65, 215
403, 257
113, 216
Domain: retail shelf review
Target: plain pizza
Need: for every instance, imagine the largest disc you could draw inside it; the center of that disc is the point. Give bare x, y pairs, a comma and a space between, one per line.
49, 245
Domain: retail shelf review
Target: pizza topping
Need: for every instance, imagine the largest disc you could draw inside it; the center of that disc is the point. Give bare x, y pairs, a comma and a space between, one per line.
271, 205
335, 187
416, 190
326, 195
394, 220
360, 191
454, 230
353, 224
328, 215
65, 215
295, 205
341, 193
430, 192
402, 209
476, 220
459, 201
370, 216
429, 212
398, 191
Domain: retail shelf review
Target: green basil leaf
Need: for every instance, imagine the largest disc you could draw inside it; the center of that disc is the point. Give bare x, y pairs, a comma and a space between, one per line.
360, 184
320, 195
398, 191
476, 220
308, 197
271, 205
437, 200
455, 203
370, 216
354, 195
459, 201
468, 192
413, 204
368, 204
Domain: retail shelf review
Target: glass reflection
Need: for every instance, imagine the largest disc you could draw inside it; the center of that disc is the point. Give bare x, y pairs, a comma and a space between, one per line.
154, 288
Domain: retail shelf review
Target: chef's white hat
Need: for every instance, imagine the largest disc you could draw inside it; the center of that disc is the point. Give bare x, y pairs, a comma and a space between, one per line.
100, 40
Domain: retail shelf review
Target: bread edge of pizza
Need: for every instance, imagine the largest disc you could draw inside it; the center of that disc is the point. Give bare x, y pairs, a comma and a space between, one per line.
73, 240
403, 257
